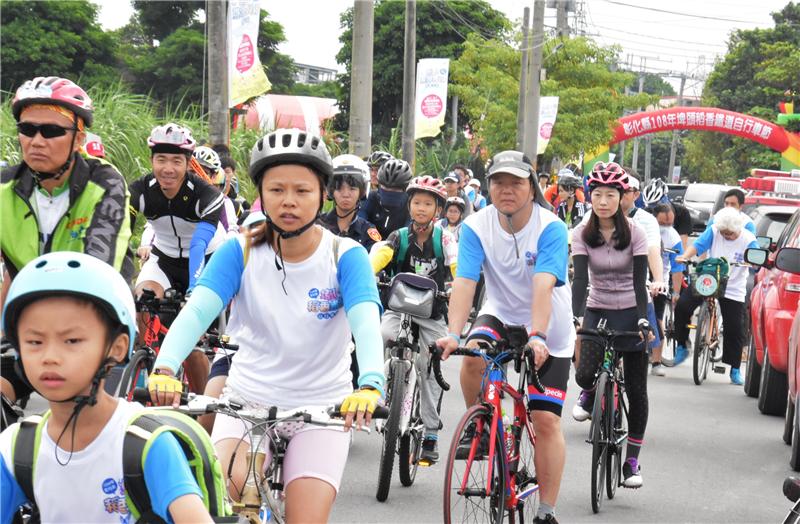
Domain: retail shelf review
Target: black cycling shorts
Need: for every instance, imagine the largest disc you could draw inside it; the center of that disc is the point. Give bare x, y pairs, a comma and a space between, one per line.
489, 328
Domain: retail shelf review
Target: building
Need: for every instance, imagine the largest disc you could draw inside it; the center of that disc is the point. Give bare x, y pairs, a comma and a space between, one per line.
309, 74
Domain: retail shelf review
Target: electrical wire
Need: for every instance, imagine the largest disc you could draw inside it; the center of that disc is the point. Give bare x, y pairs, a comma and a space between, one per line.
690, 15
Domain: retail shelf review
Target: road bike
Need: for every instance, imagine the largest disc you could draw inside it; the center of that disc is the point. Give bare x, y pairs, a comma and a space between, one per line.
496, 478
608, 431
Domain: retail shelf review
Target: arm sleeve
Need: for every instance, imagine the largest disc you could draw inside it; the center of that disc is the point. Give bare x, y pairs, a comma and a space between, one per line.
109, 231
640, 284
203, 234
552, 252
703, 242
383, 253
750, 226
580, 283
11, 495
356, 280
199, 312
167, 475
470, 254
365, 321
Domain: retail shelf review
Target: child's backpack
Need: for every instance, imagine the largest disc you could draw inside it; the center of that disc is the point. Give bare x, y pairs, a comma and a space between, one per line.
402, 248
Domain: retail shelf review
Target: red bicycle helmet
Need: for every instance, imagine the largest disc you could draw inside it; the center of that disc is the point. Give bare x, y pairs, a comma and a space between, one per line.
430, 185
53, 90
610, 174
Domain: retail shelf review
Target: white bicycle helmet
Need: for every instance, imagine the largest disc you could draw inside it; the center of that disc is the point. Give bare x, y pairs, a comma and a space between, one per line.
171, 138
654, 192
208, 158
353, 168
290, 146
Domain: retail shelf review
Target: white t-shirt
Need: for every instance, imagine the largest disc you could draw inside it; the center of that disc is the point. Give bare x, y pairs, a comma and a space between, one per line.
49, 210
733, 251
671, 240
542, 245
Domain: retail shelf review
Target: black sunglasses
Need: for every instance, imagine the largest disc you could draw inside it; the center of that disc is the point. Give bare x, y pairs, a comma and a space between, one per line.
47, 130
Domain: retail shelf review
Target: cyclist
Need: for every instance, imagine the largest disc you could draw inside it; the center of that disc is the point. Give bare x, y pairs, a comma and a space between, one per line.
657, 192
734, 198
349, 186
298, 293
426, 198
521, 246
673, 276
570, 209
453, 216
452, 186
614, 249
728, 238
375, 161
553, 192
56, 199
480, 200
211, 165
72, 318
387, 207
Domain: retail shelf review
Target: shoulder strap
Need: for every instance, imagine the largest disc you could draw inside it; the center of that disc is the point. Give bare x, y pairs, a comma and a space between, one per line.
438, 249
26, 446
402, 247
137, 436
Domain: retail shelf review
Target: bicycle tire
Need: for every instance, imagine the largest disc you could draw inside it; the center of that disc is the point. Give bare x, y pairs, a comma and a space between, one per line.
411, 444
700, 357
397, 389
524, 474
459, 507
614, 454
599, 439
670, 344
140, 361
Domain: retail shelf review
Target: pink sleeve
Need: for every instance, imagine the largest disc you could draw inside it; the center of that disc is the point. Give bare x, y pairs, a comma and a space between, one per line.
578, 245
638, 239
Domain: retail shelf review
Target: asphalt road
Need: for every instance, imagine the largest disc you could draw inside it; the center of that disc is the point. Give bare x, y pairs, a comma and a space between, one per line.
709, 456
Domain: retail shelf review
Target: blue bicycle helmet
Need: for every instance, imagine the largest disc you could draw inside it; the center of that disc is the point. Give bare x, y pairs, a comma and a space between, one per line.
69, 273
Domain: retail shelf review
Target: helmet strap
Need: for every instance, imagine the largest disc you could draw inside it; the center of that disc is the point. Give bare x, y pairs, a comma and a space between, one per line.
40, 177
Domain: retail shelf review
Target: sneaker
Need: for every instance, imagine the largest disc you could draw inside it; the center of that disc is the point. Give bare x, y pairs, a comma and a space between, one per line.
547, 519
657, 370
579, 411
465, 444
632, 474
736, 377
681, 354
430, 451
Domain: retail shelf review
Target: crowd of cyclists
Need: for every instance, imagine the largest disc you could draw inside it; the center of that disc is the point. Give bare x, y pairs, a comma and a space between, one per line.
297, 288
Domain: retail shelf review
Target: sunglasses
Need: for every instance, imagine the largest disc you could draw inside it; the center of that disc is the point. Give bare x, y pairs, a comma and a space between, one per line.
47, 130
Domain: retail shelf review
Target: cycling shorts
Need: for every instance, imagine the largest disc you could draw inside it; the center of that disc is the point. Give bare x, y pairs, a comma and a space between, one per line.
489, 328
169, 273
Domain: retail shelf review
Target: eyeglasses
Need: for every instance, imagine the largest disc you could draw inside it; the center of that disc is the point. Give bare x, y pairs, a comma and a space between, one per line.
48, 131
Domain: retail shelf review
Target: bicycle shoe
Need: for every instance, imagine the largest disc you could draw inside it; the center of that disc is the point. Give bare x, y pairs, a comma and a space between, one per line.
465, 444
580, 411
430, 451
632, 474
548, 519
736, 377
681, 354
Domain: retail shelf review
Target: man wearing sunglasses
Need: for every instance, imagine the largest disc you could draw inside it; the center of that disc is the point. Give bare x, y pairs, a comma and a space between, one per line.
57, 199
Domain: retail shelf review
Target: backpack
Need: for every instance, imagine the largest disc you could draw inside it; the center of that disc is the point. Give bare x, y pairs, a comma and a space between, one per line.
143, 427
438, 250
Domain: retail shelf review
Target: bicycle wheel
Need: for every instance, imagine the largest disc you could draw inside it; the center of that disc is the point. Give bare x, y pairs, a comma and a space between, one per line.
135, 373
467, 481
523, 471
411, 443
599, 438
700, 358
670, 345
394, 397
616, 430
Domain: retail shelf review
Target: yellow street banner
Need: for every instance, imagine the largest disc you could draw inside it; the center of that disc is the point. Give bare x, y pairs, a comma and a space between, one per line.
431, 96
246, 77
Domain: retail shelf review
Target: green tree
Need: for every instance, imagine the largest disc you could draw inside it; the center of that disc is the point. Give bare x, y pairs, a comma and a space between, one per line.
442, 28
579, 72
759, 66
54, 38
160, 19
653, 85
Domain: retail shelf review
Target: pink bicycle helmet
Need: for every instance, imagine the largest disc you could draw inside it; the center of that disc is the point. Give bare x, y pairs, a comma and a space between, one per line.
53, 90
171, 138
430, 185
610, 174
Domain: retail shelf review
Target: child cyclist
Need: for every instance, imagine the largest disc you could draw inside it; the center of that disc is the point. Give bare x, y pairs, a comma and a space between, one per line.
416, 245
72, 318
453, 216
300, 294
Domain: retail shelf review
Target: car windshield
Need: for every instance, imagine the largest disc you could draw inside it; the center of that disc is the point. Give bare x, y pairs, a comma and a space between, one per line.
772, 225
702, 193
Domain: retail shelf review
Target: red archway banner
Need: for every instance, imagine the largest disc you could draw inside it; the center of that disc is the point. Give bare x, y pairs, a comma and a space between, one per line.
703, 119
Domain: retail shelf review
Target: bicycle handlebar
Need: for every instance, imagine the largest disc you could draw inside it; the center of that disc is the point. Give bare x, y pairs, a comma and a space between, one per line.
148, 302
607, 333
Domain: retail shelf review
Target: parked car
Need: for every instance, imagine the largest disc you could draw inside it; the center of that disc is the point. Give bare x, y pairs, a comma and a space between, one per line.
773, 304
676, 192
699, 200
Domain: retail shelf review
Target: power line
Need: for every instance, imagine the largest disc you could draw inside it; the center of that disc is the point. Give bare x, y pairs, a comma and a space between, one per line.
705, 17
658, 37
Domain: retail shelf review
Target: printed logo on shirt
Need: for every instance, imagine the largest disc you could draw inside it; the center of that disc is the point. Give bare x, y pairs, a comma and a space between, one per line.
738, 257
374, 234
115, 502
530, 260
424, 266
77, 234
325, 302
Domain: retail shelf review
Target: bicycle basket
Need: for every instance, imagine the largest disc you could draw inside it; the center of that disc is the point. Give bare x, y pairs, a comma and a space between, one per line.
710, 278
412, 294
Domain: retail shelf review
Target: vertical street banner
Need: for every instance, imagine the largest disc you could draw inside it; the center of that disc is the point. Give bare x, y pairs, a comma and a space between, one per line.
431, 96
246, 77
548, 109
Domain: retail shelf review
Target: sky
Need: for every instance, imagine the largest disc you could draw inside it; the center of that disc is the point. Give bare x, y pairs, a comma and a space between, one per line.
666, 37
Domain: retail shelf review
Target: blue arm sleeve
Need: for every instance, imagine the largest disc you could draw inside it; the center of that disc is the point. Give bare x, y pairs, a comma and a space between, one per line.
703, 242
552, 251
750, 226
470, 254
356, 280
203, 234
365, 322
224, 270
752, 244
199, 312
167, 475
674, 266
11, 495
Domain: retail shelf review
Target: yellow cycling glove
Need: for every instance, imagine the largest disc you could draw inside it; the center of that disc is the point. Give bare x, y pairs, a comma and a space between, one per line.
164, 384
380, 257
365, 399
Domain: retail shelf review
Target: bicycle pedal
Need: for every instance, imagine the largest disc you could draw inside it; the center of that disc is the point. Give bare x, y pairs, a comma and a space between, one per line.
691, 326
424, 463
719, 369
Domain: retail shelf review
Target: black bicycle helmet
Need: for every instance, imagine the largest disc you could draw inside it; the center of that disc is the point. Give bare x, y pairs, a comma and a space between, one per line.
395, 173
378, 158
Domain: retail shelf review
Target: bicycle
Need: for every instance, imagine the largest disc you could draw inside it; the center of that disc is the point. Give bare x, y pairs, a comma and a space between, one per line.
608, 432
413, 296
261, 499
670, 345
506, 485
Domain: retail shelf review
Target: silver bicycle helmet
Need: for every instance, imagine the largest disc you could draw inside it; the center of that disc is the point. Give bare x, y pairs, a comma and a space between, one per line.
654, 192
395, 173
208, 158
290, 146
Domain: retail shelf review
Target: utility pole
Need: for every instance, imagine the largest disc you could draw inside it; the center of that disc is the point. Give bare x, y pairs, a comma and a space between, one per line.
648, 141
621, 160
218, 115
361, 79
409, 82
562, 24
523, 79
454, 117
635, 159
529, 146
674, 146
